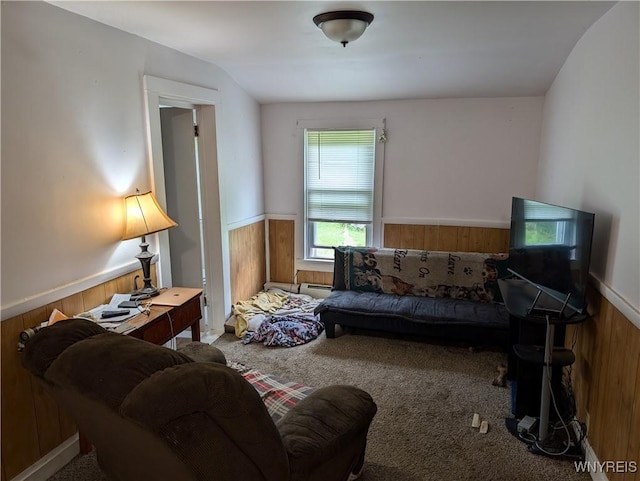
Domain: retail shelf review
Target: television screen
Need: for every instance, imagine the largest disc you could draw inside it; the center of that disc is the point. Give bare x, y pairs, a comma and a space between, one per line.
550, 246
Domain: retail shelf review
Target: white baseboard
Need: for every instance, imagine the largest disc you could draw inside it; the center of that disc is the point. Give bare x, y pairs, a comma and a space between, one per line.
206, 337
52, 462
590, 456
212, 335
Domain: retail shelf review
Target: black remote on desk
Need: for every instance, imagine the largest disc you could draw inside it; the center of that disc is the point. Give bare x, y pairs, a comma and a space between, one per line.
108, 314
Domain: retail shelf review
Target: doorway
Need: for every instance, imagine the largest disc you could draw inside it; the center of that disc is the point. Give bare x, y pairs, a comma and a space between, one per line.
190, 191
179, 127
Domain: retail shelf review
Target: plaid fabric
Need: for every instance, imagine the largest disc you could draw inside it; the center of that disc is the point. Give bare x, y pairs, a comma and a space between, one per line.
279, 396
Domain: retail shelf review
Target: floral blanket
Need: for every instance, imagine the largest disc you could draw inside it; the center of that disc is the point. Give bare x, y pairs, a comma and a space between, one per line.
286, 331
278, 318
457, 275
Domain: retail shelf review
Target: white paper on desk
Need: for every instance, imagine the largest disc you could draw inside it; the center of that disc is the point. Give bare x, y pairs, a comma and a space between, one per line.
96, 313
117, 299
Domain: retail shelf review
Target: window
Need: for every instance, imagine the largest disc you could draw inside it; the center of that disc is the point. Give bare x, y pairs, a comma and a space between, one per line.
339, 189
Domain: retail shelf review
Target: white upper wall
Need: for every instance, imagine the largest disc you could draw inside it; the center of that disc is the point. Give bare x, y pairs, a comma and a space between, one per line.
74, 143
590, 149
446, 160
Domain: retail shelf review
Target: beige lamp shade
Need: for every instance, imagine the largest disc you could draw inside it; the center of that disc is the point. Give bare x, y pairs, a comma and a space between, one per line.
144, 216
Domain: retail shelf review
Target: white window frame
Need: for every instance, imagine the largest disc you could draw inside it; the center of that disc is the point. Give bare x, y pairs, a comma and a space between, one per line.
302, 262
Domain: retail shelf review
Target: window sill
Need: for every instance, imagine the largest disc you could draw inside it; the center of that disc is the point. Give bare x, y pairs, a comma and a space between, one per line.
317, 265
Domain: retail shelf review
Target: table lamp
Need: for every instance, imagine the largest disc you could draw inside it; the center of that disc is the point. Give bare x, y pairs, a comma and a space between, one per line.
144, 216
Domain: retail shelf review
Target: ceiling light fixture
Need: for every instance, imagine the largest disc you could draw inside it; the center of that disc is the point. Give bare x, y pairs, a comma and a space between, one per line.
343, 26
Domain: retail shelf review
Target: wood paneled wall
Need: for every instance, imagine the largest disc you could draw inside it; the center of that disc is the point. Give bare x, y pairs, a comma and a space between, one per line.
281, 250
407, 236
315, 277
32, 422
446, 238
606, 382
247, 256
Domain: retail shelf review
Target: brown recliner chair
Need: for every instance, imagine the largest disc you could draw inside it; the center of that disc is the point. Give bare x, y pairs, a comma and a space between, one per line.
156, 414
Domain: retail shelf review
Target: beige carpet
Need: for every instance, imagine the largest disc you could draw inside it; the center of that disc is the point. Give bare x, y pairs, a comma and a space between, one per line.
426, 395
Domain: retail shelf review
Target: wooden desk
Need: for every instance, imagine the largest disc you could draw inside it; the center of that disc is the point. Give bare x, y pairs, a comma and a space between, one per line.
165, 322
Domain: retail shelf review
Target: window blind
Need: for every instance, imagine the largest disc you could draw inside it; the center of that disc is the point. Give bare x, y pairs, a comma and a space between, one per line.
538, 211
340, 175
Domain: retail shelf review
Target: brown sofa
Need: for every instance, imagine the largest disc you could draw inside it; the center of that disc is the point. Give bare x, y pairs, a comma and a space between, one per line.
156, 414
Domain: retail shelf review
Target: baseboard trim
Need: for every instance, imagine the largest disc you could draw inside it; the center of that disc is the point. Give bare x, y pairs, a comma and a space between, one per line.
206, 337
212, 335
591, 457
52, 462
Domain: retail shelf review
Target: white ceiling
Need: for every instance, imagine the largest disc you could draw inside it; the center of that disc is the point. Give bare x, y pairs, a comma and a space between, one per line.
414, 49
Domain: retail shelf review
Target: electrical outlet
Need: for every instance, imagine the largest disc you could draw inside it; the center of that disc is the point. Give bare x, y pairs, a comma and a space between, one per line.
587, 420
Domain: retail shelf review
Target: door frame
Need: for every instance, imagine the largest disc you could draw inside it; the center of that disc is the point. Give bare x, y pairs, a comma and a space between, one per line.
216, 256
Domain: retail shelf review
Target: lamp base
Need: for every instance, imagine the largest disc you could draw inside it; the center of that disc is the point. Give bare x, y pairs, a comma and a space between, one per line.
147, 290
144, 293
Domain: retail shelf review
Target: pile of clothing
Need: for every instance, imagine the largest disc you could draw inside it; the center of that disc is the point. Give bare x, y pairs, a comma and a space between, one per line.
277, 318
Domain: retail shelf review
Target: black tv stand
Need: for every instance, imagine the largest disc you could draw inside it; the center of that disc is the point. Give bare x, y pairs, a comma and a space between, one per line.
538, 309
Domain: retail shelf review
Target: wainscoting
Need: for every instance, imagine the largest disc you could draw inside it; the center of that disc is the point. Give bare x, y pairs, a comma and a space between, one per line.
247, 258
606, 381
406, 236
315, 277
32, 422
446, 238
281, 250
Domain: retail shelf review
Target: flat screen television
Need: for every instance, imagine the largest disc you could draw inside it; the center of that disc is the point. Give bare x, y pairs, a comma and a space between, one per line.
550, 246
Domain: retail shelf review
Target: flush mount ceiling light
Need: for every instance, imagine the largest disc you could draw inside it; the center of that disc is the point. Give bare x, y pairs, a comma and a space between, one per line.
343, 26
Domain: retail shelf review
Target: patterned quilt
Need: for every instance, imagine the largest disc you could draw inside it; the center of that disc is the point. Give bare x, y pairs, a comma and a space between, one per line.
457, 275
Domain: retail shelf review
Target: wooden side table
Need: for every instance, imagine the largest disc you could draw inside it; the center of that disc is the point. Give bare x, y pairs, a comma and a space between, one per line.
165, 322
